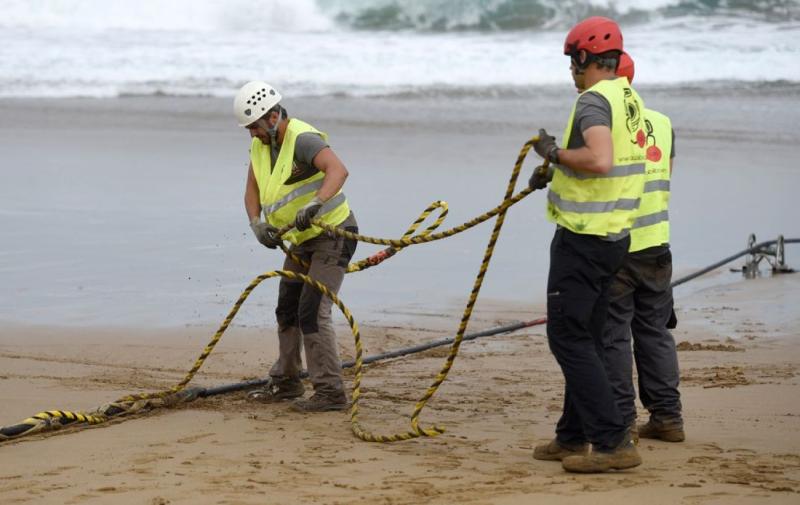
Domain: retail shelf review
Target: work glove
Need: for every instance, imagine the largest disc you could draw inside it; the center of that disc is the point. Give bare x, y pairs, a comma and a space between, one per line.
265, 233
302, 220
546, 146
542, 175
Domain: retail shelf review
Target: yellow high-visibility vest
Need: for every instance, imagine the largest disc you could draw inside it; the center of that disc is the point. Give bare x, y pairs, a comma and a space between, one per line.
604, 204
651, 227
280, 202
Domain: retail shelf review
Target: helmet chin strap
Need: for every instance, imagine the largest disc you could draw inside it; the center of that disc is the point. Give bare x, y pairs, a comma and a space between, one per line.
273, 130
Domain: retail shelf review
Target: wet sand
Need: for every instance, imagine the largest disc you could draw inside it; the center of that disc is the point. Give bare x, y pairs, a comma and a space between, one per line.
128, 212
739, 384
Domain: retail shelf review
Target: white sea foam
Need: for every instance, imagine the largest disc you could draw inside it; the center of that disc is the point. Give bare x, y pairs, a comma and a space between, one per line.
235, 16
95, 48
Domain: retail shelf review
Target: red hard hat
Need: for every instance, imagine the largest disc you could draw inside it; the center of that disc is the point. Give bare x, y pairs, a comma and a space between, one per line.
595, 35
626, 67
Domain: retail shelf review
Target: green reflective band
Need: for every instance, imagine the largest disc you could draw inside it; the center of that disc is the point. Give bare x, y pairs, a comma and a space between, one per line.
303, 190
659, 185
592, 207
650, 219
616, 171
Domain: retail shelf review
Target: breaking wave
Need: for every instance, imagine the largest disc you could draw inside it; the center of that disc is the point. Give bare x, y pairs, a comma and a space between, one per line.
97, 48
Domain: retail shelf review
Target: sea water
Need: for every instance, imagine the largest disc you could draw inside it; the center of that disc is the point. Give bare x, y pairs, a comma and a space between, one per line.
101, 48
91, 236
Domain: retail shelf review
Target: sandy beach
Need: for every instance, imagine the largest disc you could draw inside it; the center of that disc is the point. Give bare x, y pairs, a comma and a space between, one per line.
739, 383
126, 244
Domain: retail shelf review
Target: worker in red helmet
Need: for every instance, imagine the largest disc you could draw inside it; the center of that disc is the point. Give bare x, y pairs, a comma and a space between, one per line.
641, 304
596, 179
626, 67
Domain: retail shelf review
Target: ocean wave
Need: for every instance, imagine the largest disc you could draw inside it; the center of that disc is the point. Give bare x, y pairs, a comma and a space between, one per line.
515, 15
232, 16
69, 50
223, 89
300, 16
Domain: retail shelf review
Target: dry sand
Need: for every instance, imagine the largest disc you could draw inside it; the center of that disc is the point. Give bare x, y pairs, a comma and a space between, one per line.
739, 384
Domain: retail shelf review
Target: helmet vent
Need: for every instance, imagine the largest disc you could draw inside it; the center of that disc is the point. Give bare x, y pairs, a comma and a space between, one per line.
608, 36
591, 38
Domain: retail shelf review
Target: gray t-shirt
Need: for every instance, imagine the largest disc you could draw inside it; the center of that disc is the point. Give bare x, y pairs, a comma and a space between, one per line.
306, 147
672, 149
592, 109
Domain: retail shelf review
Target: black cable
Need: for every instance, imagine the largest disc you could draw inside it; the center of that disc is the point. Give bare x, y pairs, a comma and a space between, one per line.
229, 388
756, 248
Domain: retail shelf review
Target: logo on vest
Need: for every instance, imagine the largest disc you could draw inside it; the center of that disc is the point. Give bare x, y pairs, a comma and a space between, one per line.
634, 118
653, 152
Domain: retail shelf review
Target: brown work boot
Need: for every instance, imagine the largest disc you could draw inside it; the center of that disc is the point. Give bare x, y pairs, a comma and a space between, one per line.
321, 402
555, 451
669, 431
621, 457
278, 389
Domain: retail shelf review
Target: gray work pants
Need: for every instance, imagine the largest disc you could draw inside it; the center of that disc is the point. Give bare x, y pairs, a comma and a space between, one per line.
304, 313
640, 306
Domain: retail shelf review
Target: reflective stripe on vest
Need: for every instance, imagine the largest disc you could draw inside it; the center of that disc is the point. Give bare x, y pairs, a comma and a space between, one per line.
604, 204
651, 227
617, 171
280, 202
650, 219
660, 185
592, 207
302, 190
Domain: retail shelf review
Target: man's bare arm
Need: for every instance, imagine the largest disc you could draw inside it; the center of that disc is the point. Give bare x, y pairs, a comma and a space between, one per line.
252, 200
335, 172
597, 156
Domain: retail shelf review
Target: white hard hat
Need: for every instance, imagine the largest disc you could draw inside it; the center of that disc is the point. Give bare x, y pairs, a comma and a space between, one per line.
254, 100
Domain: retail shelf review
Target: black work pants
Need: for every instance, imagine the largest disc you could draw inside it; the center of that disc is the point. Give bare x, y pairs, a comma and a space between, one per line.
641, 305
582, 268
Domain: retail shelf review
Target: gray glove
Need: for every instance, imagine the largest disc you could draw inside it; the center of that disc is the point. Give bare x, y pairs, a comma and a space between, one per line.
541, 177
302, 221
546, 146
265, 233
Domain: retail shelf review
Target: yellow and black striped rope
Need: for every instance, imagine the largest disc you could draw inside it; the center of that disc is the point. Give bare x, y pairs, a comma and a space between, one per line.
408, 239
500, 211
56, 419
380, 256
425, 237
130, 403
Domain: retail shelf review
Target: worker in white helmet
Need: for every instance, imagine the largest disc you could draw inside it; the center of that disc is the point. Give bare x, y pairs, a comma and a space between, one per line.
295, 178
